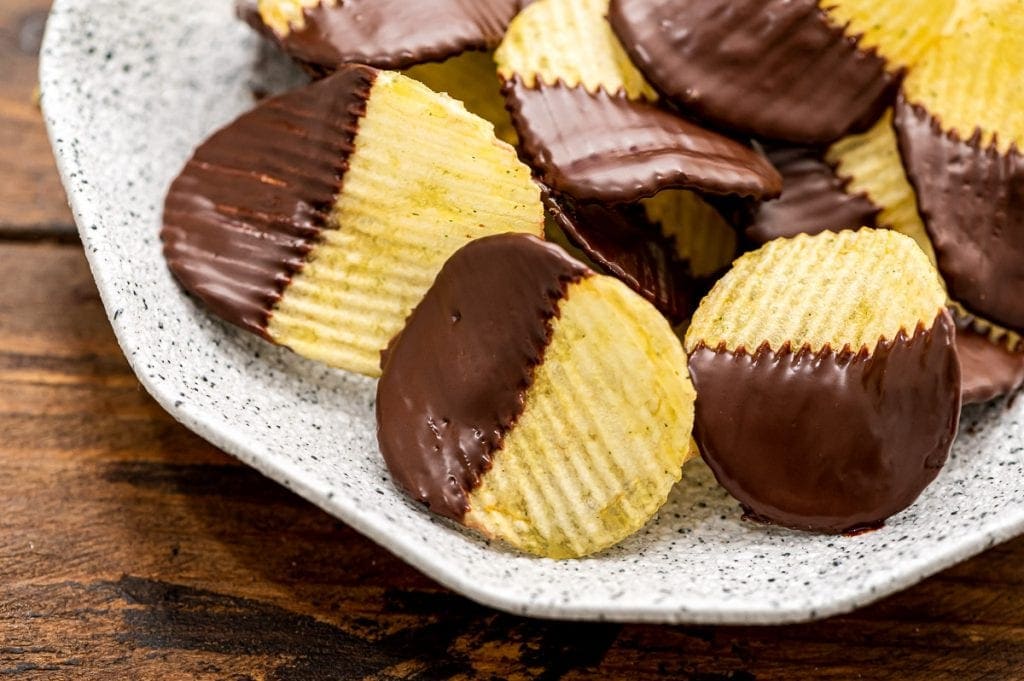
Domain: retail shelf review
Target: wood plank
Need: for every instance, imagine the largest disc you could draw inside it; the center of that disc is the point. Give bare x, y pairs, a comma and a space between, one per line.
32, 202
129, 548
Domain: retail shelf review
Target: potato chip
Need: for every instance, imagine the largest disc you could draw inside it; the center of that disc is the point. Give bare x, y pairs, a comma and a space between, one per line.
827, 377
289, 222
387, 34
535, 401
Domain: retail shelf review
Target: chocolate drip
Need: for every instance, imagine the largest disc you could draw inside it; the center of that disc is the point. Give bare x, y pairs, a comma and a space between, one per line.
972, 203
397, 34
989, 370
829, 441
606, 148
771, 68
454, 380
248, 207
814, 199
622, 241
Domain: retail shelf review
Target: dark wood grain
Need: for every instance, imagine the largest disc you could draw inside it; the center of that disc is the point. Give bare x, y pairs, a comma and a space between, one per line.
131, 549
31, 199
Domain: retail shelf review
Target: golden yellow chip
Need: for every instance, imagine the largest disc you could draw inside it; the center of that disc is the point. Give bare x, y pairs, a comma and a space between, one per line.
569, 41
847, 289
319, 219
900, 31
871, 163
827, 377
702, 237
967, 79
535, 401
471, 78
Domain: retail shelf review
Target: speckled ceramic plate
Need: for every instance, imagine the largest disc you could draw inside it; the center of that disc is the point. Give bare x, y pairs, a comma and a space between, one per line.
130, 87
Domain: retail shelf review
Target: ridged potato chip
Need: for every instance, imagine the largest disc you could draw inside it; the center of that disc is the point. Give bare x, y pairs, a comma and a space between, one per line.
871, 163
775, 69
847, 289
960, 128
472, 79
569, 41
900, 31
589, 124
536, 401
827, 377
387, 34
703, 238
667, 248
289, 222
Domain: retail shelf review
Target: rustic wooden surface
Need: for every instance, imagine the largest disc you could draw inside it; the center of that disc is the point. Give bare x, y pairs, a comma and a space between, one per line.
31, 199
130, 549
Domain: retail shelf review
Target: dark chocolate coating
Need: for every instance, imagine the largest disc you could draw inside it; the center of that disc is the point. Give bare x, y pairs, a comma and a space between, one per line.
989, 370
397, 34
776, 69
972, 203
814, 199
455, 378
606, 148
622, 241
241, 218
827, 441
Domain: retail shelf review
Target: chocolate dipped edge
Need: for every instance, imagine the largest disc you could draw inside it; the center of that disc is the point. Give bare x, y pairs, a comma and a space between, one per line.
455, 379
826, 441
396, 34
971, 200
606, 148
242, 216
869, 84
814, 199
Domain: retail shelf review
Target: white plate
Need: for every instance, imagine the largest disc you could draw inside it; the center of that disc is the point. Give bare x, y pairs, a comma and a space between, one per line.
130, 87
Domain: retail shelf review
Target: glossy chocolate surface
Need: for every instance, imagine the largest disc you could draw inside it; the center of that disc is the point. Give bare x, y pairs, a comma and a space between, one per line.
455, 379
622, 241
776, 69
248, 207
814, 199
972, 202
397, 34
827, 441
989, 370
606, 148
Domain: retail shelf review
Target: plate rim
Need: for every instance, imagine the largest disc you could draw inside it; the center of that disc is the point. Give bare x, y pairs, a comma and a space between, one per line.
404, 547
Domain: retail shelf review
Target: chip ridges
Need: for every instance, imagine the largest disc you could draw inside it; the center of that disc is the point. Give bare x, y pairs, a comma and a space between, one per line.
455, 378
459, 184
472, 79
623, 243
870, 163
249, 206
900, 31
702, 237
387, 34
569, 41
966, 80
846, 289
604, 433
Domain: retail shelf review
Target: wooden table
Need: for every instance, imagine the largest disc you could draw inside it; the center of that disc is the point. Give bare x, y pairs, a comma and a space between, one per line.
131, 549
